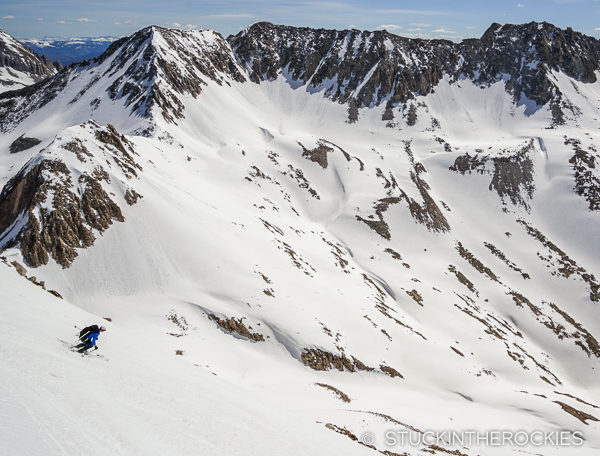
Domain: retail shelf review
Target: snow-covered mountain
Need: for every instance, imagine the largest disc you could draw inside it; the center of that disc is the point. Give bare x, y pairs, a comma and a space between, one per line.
20, 67
355, 232
68, 50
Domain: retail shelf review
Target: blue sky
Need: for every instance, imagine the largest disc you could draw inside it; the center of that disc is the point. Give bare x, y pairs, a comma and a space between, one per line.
451, 19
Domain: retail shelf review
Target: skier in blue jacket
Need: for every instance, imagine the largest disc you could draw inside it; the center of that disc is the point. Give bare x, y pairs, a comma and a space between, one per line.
88, 337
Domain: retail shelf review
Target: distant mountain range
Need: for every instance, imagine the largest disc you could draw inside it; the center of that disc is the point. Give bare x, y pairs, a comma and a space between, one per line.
69, 50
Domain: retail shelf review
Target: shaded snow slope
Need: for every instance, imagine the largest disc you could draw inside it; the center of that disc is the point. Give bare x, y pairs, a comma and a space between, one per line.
437, 266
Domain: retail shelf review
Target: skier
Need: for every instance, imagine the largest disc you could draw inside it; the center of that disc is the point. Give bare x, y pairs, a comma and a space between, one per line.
88, 337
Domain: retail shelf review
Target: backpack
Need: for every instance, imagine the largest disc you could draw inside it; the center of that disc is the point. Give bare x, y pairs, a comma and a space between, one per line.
85, 332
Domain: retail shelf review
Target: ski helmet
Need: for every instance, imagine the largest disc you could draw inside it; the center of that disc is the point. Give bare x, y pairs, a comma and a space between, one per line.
102, 328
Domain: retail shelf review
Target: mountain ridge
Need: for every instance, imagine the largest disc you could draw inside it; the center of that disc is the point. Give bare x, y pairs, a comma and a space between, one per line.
381, 72
20, 66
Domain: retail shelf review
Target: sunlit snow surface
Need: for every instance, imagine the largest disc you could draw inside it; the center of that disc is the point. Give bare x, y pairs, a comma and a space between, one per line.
228, 226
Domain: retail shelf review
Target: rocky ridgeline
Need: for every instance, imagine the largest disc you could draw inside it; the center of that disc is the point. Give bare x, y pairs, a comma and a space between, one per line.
50, 214
148, 69
184, 59
15, 56
367, 68
358, 68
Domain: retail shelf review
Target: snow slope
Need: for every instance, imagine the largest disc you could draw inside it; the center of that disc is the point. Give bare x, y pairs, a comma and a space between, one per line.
439, 291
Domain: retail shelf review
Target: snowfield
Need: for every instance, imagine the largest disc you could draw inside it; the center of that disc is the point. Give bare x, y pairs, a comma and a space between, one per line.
277, 279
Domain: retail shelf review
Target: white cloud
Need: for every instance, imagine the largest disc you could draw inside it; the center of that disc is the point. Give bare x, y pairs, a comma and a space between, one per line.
176, 24
131, 23
597, 28
40, 19
191, 27
352, 26
62, 22
8, 17
420, 24
388, 27
415, 30
520, 6
443, 31
84, 19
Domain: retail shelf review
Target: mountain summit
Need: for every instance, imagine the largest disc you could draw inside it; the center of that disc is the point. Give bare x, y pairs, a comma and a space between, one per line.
344, 232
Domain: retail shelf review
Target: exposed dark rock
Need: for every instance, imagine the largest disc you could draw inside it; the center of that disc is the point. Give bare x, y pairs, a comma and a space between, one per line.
57, 232
390, 371
411, 116
463, 279
379, 226
416, 296
123, 146
318, 154
587, 176
457, 351
320, 360
395, 255
581, 416
467, 163
76, 146
132, 197
475, 262
565, 266
589, 344
22, 143
55, 293
17, 105
512, 174
519, 300
509, 263
426, 213
20, 269
236, 326
343, 396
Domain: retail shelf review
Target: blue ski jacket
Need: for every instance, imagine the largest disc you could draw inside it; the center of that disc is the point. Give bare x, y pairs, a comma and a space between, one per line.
92, 338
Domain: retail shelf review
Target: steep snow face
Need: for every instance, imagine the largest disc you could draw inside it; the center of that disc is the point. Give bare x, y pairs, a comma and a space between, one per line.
427, 266
19, 66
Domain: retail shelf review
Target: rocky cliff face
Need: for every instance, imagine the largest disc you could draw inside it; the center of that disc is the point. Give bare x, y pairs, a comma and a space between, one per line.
53, 206
371, 68
368, 67
16, 58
